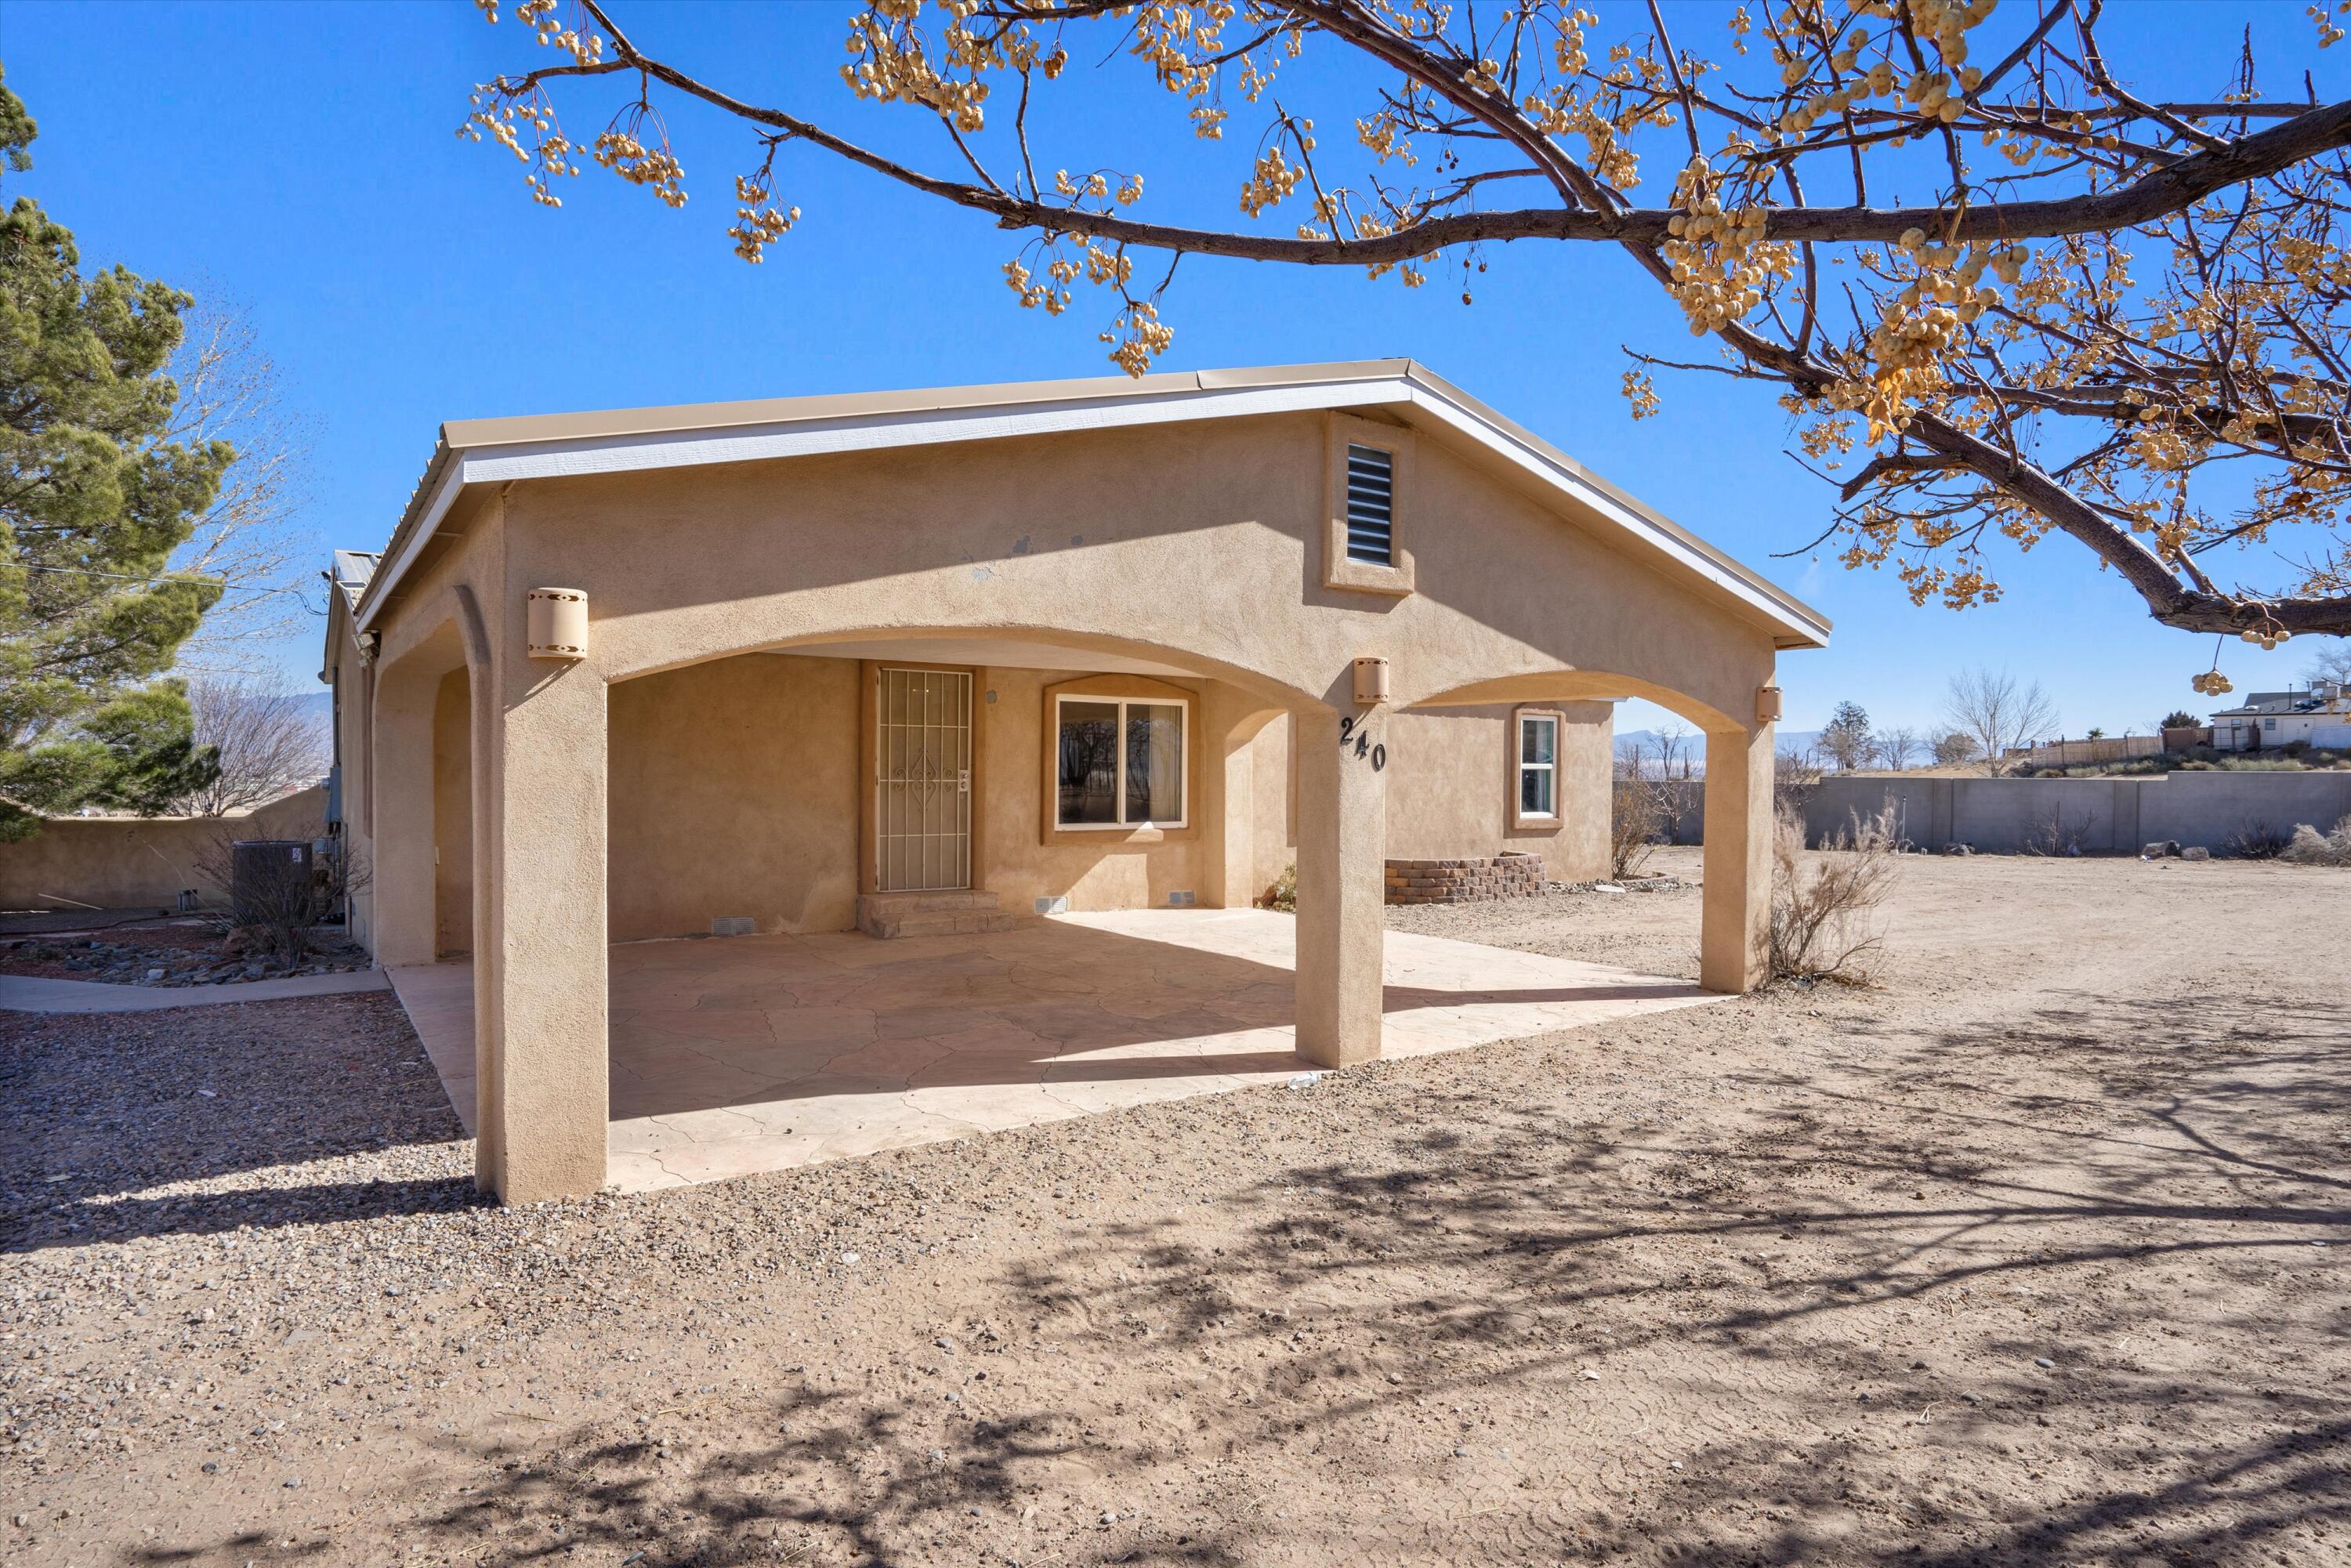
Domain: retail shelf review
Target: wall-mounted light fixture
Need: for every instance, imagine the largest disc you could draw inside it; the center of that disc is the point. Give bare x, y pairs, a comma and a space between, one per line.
1371, 681
1767, 703
557, 623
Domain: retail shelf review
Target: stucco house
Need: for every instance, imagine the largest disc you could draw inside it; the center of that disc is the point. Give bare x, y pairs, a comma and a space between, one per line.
938, 661
2319, 716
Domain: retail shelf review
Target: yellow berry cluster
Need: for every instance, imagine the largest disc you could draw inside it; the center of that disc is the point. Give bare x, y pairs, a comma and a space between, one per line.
757, 222
1721, 262
1941, 94
632, 160
2212, 683
1146, 337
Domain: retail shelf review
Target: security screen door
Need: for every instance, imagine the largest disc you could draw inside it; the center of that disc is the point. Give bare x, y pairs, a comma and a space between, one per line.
922, 781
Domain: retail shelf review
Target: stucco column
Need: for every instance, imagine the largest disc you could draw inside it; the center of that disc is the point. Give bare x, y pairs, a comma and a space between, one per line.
539, 976
1341, 885
400, 791
1735, 922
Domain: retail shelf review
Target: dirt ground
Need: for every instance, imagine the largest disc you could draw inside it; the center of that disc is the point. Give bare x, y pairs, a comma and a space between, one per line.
2036, 1255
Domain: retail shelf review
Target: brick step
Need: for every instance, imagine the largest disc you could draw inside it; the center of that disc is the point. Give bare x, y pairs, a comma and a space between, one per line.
958, 913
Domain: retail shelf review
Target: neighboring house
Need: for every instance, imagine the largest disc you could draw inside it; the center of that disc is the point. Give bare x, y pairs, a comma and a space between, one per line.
2320, 715
812, 664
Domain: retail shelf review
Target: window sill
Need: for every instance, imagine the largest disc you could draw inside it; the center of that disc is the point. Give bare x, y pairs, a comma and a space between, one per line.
1116, 834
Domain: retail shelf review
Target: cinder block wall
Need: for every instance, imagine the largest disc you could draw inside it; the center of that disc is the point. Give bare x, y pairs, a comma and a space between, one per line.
2104, 816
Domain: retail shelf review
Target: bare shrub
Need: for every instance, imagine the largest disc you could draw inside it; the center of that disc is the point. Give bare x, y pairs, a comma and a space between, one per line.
280, 901
1824, 902
1283, 894
1639, 819
2254, 839
1795, 775
2310, 847
2054, 836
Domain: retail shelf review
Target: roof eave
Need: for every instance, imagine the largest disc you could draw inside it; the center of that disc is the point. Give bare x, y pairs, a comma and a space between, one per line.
541, 445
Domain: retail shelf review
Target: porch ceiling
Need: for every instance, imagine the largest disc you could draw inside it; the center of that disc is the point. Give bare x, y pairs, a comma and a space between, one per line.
759, 1053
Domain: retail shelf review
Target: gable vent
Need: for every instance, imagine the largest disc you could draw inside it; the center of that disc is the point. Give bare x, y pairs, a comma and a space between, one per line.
1371, 503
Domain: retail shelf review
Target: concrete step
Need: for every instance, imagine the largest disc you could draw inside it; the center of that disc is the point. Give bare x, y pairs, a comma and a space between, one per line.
957, 913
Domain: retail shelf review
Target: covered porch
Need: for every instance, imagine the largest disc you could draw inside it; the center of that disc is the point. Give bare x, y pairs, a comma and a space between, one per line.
1130, 652
734, 1056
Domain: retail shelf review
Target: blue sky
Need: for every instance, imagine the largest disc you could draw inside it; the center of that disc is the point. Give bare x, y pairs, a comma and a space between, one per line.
303, 161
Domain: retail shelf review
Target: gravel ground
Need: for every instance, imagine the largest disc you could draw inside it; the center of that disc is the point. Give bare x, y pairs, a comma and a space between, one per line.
187, 953
2020, 1259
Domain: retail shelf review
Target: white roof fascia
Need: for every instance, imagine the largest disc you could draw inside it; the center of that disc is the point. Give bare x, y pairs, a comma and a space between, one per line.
388, 573
585, 456
858, 432
1572, 482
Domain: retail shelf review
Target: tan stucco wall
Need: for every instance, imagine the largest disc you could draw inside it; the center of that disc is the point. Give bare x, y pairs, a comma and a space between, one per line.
1019, 867
1016, 535
124, 863
453, 818
1194, 545
733, 791
1451, 783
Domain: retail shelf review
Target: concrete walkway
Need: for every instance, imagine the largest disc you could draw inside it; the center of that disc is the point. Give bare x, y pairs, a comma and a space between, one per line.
760, 1053
27, 994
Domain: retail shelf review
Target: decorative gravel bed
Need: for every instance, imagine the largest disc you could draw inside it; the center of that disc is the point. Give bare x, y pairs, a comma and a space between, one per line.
180, 953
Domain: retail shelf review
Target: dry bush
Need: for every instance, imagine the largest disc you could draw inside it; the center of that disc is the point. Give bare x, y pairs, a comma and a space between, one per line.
2254, 839
2053, 837
1283, 894
2310, 847
1795, 775
279, 904
1641, 815
1822, 903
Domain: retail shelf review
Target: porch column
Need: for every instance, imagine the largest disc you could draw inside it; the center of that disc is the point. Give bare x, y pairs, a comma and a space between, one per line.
539, 974
1735, 910
1341, 885
400, 795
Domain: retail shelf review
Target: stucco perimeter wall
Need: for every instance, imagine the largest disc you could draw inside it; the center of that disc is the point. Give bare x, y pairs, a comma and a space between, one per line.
126, 862
1452, 782
733, 790
2103, 816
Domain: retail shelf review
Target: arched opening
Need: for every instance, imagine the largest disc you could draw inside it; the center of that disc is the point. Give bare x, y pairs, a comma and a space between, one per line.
420, 802
770, 790
1738, 800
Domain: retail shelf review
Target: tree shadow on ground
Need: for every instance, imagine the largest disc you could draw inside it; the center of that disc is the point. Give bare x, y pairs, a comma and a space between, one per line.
2030, 1295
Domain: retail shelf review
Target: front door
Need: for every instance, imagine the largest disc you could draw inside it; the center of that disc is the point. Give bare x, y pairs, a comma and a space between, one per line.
921, 780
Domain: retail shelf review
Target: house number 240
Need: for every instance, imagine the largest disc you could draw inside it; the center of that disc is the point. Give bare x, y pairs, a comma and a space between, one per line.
1360, 742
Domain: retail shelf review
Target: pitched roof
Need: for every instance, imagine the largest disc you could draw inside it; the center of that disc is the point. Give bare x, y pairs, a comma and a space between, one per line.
534, 447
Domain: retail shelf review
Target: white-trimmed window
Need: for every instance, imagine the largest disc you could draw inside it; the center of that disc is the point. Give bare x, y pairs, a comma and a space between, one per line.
1120, 761
1538, 753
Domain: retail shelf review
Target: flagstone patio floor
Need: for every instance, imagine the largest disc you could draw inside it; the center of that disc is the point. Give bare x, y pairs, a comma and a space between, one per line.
732, 1056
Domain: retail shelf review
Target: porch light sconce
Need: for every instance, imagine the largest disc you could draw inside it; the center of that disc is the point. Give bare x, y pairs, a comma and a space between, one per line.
368, 642
557, 622
1371, 682
1767, 703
